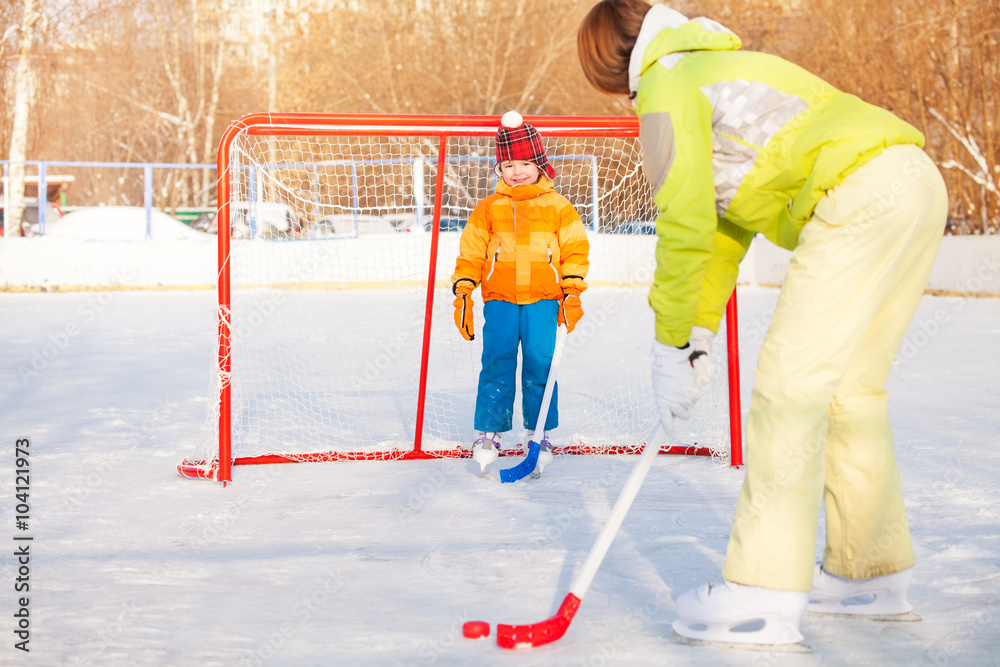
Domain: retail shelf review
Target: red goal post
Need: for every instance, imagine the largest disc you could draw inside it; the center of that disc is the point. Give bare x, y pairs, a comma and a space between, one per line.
336, 237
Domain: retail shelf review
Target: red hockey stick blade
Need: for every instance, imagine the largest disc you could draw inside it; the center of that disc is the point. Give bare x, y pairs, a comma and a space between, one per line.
536, 634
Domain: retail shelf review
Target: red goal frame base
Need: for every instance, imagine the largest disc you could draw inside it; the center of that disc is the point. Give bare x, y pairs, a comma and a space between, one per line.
204, 470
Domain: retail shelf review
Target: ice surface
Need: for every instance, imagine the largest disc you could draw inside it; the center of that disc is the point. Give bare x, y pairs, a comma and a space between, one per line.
381, 563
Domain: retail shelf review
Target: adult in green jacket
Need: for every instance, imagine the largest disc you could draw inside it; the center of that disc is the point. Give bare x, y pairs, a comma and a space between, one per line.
735, 144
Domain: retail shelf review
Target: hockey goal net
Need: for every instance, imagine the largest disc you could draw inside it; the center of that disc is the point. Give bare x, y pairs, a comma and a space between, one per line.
336, 340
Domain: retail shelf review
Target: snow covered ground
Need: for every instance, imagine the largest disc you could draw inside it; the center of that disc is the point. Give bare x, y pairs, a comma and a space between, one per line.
380, 563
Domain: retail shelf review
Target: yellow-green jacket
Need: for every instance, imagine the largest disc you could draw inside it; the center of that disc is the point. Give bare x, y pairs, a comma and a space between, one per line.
524, 244
735, 143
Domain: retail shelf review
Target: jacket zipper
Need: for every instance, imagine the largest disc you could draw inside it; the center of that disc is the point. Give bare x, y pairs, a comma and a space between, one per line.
554, 271
494, 266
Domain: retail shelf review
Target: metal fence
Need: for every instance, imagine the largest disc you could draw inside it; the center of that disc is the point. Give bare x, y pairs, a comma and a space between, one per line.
172, 188
162, 185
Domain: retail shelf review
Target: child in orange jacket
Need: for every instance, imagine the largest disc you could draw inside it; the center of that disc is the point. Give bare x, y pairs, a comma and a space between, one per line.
526, 246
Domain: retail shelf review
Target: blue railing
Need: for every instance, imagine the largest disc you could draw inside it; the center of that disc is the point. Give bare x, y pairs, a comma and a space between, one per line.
148, 169
147, 175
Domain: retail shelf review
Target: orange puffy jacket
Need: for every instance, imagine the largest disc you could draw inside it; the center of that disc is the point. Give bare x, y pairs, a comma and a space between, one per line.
524, 244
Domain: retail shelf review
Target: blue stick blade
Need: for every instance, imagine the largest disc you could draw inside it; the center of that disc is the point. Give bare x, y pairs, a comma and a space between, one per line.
524, 468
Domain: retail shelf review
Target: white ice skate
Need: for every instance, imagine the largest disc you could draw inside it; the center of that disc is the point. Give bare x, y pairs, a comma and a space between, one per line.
544, 453
878, 599
485, 450
747, 617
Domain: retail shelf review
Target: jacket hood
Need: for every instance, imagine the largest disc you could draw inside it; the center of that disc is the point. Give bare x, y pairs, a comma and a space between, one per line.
666, 32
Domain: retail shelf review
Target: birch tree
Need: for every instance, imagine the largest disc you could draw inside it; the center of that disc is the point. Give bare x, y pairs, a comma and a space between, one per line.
25, 34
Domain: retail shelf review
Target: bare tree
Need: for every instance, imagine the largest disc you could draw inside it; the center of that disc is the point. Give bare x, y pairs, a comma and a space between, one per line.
137, 82
440, 56
26, 34
193, 64
10, 15
936, 63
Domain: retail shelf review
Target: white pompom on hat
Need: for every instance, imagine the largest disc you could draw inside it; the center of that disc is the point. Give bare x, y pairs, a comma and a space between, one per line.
518, 140
511, 119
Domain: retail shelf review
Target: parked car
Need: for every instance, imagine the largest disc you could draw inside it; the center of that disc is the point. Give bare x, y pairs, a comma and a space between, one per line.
258, 220
29, 219
448, 224
263, 220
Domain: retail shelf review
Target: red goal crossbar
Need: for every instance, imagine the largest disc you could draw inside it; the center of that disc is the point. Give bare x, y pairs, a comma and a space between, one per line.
441, 128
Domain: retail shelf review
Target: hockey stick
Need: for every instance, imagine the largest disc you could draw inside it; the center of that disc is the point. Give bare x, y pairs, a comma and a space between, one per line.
536, 634
525, 467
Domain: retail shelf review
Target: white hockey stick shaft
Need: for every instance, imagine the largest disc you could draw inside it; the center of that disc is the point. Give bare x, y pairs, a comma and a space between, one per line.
550, 381
621, 508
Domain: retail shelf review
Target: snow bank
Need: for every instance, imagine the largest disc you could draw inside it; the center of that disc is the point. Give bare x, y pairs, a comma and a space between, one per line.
121, 223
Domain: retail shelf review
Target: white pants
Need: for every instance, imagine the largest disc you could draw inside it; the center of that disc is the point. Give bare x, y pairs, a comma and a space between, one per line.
818, 427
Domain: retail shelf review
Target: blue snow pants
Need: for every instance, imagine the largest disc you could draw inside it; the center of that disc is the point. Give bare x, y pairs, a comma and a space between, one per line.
533, 327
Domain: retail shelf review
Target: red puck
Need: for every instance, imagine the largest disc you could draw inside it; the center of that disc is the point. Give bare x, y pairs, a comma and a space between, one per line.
476, 629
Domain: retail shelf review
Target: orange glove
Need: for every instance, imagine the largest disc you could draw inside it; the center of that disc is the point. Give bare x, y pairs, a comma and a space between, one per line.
463, 308
570, 309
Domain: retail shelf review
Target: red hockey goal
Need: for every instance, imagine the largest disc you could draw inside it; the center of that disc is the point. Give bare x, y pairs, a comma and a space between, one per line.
337, 235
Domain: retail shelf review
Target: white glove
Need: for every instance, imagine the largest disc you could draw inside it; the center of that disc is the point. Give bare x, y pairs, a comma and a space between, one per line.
673, 383
701, 358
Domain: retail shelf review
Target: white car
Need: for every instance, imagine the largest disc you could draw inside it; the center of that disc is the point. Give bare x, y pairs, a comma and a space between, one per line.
263, 220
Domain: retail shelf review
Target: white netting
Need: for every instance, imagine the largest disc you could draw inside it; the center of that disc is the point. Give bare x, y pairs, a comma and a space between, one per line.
329, 265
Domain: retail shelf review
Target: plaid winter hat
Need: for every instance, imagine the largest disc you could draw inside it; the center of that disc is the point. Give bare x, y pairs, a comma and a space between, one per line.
518, 140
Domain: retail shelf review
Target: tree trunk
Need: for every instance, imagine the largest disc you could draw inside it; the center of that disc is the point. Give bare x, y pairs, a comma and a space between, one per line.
208, 150
21, 111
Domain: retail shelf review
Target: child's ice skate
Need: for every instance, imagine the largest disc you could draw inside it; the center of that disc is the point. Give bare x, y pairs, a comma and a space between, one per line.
878, 599
485, 450
748, 617
544, 453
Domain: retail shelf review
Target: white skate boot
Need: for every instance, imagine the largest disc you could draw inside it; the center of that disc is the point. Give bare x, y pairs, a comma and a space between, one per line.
485, 450
748, 617
878, 599
544, 453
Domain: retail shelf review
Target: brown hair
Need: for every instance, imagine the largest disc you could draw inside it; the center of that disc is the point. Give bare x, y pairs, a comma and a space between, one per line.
604, 43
